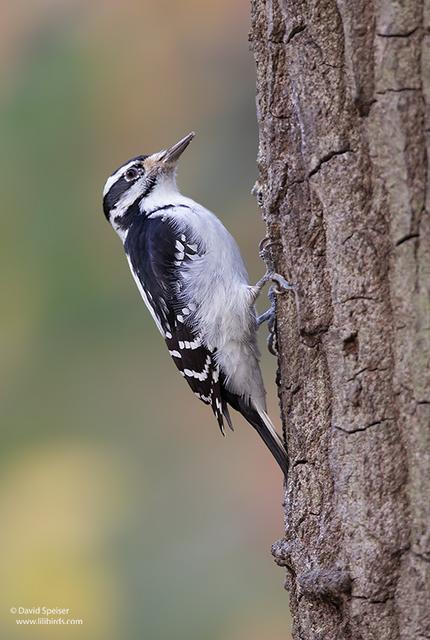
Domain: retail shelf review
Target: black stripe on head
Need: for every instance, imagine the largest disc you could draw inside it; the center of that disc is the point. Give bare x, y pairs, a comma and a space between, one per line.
125, 220
119, 187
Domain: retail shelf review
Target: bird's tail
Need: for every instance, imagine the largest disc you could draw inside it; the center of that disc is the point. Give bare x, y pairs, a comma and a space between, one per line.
267, 432
258, 418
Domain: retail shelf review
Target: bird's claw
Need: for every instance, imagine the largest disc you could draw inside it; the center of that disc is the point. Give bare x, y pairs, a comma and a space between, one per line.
280, 287
264, 248
283, 284
269, 316
272, 343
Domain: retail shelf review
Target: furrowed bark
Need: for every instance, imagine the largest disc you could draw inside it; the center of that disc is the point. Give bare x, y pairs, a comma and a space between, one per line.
343, 93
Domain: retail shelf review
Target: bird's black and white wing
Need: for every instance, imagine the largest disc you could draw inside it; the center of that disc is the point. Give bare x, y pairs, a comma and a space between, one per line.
158, 252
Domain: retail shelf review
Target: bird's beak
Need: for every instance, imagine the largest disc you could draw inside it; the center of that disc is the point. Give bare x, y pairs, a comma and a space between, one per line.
173, 153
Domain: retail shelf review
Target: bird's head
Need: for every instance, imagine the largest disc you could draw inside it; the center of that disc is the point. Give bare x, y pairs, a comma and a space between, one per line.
141, 184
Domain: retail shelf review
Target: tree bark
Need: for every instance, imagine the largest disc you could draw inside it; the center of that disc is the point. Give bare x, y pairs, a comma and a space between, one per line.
343, 93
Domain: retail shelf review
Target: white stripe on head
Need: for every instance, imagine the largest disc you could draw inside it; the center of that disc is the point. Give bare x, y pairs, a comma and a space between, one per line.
116, 176
129, 197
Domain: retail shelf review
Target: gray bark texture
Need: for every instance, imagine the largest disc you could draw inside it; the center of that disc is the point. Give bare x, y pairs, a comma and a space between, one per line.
343, 95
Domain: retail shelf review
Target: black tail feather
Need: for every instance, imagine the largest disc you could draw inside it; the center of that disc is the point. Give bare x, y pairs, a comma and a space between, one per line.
276, 449
254, 418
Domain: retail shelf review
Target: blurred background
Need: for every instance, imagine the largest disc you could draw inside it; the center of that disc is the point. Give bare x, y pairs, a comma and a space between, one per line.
119, 498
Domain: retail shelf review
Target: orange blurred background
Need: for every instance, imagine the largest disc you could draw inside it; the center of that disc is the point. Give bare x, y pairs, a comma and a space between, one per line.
119, 498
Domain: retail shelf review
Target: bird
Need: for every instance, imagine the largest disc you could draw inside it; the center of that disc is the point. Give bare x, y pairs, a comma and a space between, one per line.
190, 273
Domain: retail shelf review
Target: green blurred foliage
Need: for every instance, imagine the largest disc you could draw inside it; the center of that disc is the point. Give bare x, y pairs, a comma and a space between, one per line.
120, 498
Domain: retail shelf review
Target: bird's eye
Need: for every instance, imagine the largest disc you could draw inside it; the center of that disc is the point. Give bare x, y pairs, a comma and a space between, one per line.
132, 174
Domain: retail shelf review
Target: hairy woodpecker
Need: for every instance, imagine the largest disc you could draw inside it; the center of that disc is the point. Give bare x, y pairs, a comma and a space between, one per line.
192, 278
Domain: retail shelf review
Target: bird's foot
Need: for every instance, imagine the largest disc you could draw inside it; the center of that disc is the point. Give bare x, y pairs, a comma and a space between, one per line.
282, 284
264, 249
269, 316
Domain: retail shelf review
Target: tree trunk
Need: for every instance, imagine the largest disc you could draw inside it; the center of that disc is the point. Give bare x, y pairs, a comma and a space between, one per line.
343, 94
